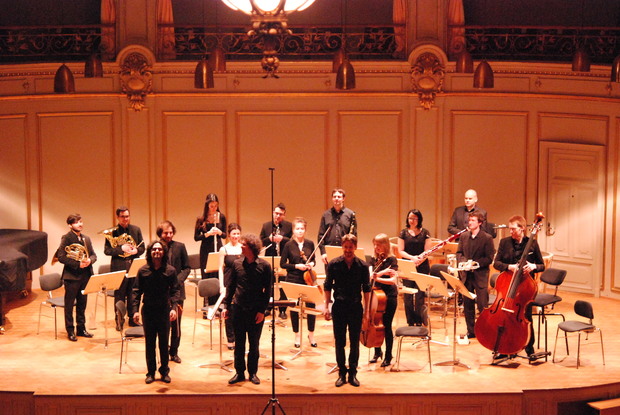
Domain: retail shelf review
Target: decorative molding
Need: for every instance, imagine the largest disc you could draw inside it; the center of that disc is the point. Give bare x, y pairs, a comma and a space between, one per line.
427, 77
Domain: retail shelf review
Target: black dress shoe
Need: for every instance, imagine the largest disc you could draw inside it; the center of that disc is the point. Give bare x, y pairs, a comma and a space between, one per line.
149, 379
386, 362
231, 347
376, 357
353, 381
84, 333
471, 335
166, 379
71, 336
239, 377
254, 379
283, 315
340, 381
175, 358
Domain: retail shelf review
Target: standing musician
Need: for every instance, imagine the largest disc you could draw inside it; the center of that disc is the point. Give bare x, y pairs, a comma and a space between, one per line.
274, 235
122, 255
475, 245
178, 258
460, 216
385, 274
248, 296
335, 223
348, 277
77, 254
158, 288
297, 260
230, 252
508, 255
412, 241
210, 230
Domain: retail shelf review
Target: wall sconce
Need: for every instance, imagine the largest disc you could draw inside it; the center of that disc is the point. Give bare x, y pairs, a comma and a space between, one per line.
203, 75
93, 68
217, 59
464, 63
581, 60
615, 70
345, 78
63, 81
483, 77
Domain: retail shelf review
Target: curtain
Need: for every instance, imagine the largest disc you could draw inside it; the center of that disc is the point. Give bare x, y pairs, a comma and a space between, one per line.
399, 17
165, 38
108, 32
456, 27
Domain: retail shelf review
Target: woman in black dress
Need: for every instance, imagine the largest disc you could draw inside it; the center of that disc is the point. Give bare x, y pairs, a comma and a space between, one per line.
384, 272
295, 255
412, 241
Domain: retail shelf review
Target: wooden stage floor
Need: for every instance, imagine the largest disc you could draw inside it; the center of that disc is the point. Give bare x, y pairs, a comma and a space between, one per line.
39, 372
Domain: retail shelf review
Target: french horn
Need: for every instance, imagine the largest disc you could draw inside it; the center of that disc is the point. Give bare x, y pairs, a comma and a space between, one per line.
118, 240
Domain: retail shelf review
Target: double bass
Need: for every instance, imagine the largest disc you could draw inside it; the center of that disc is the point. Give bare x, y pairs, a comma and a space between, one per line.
502, 327
373, 331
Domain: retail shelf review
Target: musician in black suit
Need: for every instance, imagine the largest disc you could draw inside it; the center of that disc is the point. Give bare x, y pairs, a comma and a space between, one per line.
122, 255
509, 253
460, 216
78, 263
336, 222
274, 235
475, 245
178, 258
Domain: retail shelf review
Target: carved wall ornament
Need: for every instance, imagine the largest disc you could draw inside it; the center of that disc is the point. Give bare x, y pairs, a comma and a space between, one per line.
427, 76
136, 79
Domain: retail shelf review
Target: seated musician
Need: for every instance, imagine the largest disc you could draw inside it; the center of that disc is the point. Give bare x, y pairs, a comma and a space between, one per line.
508, 255
385, 274
295, 260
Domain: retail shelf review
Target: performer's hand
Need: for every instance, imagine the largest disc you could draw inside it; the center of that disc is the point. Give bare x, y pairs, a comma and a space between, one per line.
327, 313
173, 315
513, 267
224, 314
85, 263
136, 318
277, 238
324, 256
259, 317
529, 267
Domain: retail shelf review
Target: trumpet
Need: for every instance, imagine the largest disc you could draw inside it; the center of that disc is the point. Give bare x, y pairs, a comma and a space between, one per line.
118, 240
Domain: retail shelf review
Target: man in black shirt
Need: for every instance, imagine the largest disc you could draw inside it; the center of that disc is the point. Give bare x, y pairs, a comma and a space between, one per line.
460, 216
247, 294
178, 258
509, 253
335, 223
157, 281
348, 277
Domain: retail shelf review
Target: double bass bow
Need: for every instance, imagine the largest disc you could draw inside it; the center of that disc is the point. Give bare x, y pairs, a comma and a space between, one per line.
373, 330
502, 327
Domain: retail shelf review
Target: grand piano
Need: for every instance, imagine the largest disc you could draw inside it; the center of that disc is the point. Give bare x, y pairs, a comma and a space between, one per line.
21, 251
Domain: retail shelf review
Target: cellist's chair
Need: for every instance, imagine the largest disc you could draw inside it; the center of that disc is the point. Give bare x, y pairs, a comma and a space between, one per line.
128, 335
419, 332
208, 288
49, 283
582, 309
546, 302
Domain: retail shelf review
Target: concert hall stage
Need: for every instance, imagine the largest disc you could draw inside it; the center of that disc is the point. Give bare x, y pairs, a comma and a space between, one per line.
43, 376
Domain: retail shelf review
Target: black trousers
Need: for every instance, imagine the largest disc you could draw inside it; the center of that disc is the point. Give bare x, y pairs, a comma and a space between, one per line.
388, 317
482, 300
244, 323
347, 315
156, 323
311, 318
124, 294
73, 295
175, 333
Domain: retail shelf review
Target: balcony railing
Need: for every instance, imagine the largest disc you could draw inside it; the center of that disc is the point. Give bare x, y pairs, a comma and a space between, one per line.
55, 43
305, 42
550, 44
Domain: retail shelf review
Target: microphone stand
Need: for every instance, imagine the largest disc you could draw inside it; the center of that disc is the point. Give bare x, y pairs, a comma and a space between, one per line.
273, 401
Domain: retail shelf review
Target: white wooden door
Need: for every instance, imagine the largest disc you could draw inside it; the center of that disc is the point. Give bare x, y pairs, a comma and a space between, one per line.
571, 195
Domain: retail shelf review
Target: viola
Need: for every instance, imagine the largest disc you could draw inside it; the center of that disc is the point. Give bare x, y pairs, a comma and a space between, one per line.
502, 327
373, 330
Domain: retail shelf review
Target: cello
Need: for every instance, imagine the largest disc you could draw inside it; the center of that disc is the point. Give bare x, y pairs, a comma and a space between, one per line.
502, 327
373, 331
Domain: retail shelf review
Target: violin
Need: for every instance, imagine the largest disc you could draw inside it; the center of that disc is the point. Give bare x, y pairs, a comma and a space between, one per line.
309, 274
502, 327
373, 330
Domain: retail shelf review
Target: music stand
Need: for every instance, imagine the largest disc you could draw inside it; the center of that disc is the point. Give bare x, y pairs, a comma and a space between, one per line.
304, 294
458, 287
102, 283
222, 364
429, 284
136, 264
213, 262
